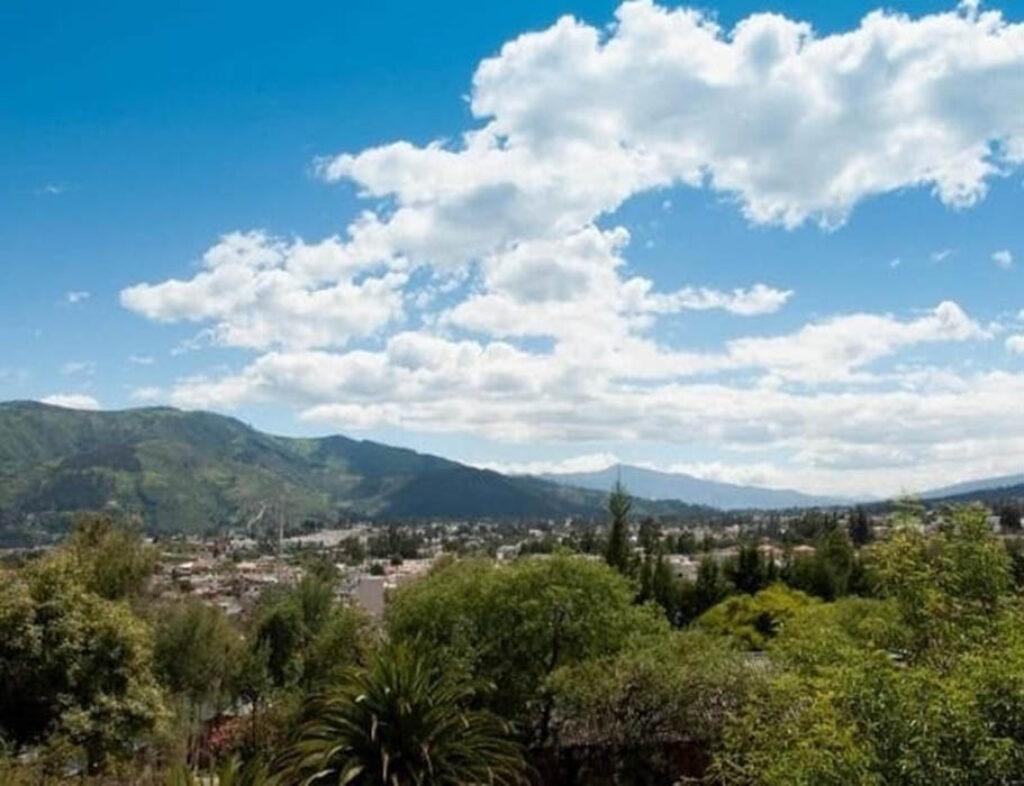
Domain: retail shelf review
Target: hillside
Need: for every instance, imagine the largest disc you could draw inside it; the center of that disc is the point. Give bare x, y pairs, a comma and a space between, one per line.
697, 491
199, 472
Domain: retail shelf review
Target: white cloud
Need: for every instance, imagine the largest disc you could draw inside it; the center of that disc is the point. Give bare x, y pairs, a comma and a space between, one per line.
837, 348
261, 292
795, 126
1016, 344
86, 367
77, 296
420, 380
941, 255
547, 333
71, 401
141, 360
573, 288
1003, 258
589, 462
573, 120
744, 474
757, 300
53, 189
147, 395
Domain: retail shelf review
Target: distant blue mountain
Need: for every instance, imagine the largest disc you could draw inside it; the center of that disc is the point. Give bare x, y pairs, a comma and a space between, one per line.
972, 486
695, 491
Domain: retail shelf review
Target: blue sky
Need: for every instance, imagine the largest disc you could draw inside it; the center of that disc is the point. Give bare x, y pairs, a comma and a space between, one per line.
756, 252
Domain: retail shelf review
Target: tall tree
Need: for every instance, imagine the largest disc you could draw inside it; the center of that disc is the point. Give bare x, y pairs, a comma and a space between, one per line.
617, 552
747, 570
663, 586
649, 535
1009, 516
195, 656
859, 526
710, 588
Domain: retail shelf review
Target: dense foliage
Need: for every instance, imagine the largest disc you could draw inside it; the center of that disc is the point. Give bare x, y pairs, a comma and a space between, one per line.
889, 660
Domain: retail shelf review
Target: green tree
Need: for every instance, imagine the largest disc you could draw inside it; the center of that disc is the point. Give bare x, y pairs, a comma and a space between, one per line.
663, 590
948, 587
710, 587
1009, 513
354, 550
649, 535
400, 721
790, 735
618, 553
73, 665
753, 620
250, 683
342, 641
747, 571
1015, 551
629, 706
513, 625
195, 656
296, 625
194, 650
278, 629
918, 688
113, 560
645, 579
859, 526
827, 572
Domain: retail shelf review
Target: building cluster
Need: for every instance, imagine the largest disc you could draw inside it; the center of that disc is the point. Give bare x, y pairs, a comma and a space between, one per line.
370, 559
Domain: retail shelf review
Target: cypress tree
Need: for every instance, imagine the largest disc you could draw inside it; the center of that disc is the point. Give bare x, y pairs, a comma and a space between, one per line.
617, 552
860, 526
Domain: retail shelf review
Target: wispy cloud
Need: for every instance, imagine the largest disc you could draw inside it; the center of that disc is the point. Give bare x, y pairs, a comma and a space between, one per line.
77, 296
590, 462
71, 401
147, 394
53, 189
1003, 258
86, 367
193, 344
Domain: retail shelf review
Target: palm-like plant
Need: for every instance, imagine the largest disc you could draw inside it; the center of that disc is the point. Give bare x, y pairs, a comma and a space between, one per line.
231, 772
398, 723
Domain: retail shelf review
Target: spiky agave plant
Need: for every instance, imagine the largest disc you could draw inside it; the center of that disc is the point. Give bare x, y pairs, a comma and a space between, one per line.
400, 723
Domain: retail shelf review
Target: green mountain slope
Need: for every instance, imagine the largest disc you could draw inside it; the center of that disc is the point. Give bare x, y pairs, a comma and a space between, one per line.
198, 472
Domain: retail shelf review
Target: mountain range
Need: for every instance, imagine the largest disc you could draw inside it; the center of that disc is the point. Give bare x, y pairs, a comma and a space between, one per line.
676, 485
203, 472
199, 472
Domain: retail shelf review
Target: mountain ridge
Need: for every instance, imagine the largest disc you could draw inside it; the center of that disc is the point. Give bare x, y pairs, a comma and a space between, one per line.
200, 471
654, 484
968, 487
